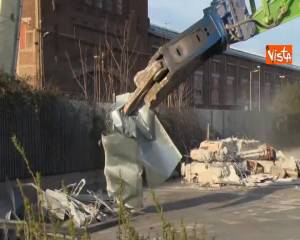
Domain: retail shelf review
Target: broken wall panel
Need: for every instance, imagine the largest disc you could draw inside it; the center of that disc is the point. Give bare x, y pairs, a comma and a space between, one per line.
123, 169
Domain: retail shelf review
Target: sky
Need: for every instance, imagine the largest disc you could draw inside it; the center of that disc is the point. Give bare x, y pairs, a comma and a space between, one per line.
180, 14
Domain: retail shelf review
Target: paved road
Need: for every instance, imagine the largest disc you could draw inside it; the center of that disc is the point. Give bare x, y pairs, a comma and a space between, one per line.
271, 212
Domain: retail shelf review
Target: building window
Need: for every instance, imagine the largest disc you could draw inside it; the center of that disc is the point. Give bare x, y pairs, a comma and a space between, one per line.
109, 5
255, 94
244, 86
230, 84
198, 88
29, 39
26, 34
215, 67
231, 70
267, 87
215, 77
89, 2
229, 93
99, 4
267, 94
120, 7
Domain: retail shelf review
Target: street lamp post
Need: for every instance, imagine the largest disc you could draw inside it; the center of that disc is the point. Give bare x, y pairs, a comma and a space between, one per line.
259, 89
250, 90
281, 78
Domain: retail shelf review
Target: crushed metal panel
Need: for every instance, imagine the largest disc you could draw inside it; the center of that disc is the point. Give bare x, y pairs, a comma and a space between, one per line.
137, 142
145, 122
122, 166
160, 156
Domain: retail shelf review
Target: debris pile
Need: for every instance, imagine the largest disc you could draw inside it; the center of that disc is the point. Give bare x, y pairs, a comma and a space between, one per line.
81, 208
234, 161
70, 203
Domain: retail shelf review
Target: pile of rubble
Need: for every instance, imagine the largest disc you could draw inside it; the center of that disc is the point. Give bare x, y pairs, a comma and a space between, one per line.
82, 209
236, 161
66, 203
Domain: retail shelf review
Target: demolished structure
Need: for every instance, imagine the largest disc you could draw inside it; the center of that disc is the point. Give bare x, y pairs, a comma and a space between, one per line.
67, 203
234, 161
82, 209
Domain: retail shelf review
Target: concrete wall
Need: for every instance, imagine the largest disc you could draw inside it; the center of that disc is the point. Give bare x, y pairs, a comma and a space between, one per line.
188, 128
227, 123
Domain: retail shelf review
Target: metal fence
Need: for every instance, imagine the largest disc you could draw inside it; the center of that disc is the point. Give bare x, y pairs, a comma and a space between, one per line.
59, 137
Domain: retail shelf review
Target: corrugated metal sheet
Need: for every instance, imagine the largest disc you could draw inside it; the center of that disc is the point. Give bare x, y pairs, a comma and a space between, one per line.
9, 29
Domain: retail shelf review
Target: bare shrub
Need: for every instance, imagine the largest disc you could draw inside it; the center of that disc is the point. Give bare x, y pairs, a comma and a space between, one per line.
111, 70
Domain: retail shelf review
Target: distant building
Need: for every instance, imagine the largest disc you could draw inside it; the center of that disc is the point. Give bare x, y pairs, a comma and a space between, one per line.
62, 42
87, 46
223, 81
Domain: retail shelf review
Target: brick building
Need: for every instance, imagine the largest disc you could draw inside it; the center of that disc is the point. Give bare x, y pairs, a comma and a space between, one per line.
223, 81
62, 42
87, 45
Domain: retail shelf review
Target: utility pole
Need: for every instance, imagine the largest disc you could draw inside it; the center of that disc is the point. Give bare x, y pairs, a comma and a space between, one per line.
250, 92
259, 88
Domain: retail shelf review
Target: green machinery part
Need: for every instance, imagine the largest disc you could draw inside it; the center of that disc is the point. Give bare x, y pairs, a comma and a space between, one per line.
274, 13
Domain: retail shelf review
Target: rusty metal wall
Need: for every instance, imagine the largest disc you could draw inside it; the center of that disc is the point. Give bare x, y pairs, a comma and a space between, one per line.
59, 137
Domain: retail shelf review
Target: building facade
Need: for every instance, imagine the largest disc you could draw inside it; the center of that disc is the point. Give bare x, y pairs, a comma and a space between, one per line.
94, 47
223, 81
64, 43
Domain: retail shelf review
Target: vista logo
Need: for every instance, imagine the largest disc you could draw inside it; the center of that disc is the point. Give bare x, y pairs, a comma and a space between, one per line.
279, 54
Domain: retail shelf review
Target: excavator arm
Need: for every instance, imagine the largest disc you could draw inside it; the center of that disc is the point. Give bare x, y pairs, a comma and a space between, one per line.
225, 22
274, 13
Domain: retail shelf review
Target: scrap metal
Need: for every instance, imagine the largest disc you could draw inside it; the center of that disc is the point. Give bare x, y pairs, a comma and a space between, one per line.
66, 203
136, 143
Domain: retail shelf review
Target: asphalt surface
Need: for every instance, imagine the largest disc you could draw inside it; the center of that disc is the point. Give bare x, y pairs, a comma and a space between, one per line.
269, 212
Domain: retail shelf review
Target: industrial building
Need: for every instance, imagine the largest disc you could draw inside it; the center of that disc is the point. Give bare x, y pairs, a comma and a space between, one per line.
223, 81
91, 46
60, 41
